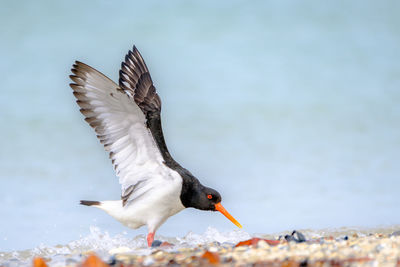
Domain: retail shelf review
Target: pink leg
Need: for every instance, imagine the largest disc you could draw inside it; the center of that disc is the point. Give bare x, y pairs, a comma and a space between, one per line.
150, 239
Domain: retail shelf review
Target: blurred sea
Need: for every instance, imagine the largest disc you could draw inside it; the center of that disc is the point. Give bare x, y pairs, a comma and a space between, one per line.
291, 110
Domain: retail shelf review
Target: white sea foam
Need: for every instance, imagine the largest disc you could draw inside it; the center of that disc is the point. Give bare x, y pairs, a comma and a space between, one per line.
105, 245
213, 235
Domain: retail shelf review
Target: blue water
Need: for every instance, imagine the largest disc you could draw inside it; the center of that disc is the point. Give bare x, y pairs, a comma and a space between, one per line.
290, 110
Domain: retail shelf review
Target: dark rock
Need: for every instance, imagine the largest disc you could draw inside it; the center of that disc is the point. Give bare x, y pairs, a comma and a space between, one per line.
296, 237
304, 263
173, 263
156, 243
112, 261
396, 233
289, 238
300, 236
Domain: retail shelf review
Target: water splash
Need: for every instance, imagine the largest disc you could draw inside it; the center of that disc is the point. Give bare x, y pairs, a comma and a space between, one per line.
105, 245
213, 235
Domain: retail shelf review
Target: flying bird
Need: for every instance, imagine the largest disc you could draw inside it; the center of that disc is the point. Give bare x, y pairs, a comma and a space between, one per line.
127, 120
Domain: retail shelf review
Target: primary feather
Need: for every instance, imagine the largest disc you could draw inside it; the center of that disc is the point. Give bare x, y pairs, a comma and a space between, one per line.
116, 115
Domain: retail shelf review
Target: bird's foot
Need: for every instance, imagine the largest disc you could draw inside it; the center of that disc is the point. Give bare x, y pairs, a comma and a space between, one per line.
150, 238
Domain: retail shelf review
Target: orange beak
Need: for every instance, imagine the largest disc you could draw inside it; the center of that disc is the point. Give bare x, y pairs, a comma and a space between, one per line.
221, 209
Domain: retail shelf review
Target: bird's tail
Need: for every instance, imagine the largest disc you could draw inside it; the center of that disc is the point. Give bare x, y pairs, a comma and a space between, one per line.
90, 203
112, 207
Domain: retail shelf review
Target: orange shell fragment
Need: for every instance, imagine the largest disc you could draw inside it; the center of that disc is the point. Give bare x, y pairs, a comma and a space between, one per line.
212, 257
93, 261
254, 241
39, 262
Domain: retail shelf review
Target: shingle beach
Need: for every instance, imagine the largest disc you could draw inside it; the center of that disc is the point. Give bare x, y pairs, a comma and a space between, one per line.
296, 248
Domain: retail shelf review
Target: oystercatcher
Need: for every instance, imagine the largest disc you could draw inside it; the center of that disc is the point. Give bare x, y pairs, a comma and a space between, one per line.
127, 120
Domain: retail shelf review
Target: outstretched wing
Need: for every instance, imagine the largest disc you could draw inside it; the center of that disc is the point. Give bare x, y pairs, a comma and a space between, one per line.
121, 126
135, 81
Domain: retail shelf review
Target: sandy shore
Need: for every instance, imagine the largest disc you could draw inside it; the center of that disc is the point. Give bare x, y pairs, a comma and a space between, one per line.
371, 250
291, 249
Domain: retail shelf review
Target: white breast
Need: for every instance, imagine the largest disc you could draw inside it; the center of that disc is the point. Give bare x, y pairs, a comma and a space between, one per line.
152, 208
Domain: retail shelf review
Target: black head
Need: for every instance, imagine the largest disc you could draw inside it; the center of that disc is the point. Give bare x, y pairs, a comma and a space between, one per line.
195, 195
207, 198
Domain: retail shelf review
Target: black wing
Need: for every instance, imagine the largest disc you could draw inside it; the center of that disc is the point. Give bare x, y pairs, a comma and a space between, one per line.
135, 81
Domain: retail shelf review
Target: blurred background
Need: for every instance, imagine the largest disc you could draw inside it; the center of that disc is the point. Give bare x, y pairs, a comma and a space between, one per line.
289, 109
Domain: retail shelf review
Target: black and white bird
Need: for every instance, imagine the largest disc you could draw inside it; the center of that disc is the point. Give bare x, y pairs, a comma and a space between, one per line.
126, 118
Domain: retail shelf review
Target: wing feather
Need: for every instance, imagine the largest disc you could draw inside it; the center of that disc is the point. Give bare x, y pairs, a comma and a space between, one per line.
135, 80
120, 124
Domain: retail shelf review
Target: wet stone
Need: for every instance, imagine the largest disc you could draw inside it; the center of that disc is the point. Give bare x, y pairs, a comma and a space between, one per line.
148, 261
295, 237
396, 233
300, 236
376, 249
112, 261
156, 243
212, 257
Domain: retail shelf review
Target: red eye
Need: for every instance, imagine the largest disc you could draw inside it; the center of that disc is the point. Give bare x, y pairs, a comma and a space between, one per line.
209, 196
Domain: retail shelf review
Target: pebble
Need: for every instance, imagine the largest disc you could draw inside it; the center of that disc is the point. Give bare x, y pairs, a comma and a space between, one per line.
39, 262
93, 261
156, 243
396, 233
376, 249
148, 261
213, 249
296, 237
119, 250
241, 248
262, 244
158, 255
213, 258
